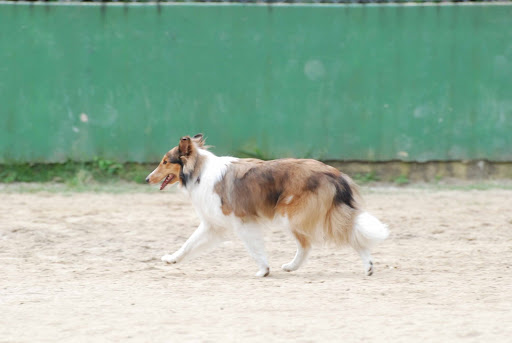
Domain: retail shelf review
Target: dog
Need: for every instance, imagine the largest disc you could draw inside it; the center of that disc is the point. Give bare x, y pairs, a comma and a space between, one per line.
314, 201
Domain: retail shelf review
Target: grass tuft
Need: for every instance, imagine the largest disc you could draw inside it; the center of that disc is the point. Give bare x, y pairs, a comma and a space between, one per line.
366, 178
402, 180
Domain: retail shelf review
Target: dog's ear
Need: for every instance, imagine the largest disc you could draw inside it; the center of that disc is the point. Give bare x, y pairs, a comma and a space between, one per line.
199, 139
185, 147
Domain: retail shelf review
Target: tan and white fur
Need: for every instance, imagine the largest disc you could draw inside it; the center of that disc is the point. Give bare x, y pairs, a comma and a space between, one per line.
315, 202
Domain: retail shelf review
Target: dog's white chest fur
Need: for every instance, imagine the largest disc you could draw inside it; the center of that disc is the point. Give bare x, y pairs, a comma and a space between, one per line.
206, 201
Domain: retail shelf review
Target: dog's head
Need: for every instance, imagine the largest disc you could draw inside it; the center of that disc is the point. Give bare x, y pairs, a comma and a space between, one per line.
172, 164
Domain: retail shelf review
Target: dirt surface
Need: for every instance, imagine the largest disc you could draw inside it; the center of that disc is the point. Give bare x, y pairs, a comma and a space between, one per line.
86, 267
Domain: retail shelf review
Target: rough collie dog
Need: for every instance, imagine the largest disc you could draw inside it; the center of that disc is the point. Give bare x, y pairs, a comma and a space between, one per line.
315, 202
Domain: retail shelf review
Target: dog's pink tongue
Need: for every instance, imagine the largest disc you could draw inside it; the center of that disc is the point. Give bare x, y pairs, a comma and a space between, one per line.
168, 179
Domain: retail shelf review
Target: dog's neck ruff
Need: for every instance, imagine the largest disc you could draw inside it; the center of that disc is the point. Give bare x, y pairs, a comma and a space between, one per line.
200, 187
204, 175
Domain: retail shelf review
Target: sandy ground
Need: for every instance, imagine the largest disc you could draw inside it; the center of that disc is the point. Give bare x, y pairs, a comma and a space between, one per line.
85, 267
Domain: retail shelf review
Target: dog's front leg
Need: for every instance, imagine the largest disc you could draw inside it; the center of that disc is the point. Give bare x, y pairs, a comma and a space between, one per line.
253, 240
202, 240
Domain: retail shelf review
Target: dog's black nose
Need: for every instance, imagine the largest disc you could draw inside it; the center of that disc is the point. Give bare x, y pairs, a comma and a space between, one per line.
147, 179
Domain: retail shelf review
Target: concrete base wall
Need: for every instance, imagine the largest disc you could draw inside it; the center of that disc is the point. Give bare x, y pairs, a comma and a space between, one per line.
428, 171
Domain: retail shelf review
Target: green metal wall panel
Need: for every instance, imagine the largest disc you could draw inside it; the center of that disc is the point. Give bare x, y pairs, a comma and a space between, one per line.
345, 82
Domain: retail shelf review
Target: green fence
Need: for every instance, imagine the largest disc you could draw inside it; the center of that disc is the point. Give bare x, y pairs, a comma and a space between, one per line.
343, 82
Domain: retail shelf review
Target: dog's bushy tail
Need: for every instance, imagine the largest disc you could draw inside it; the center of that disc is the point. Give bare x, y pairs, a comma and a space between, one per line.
367, 231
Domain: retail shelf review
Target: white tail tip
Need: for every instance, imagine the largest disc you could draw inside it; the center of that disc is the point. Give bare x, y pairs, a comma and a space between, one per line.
371, 228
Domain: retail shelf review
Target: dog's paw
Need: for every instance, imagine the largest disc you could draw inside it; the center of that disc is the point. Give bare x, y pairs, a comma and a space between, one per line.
263, 272
369, 268
288, 267
171, 259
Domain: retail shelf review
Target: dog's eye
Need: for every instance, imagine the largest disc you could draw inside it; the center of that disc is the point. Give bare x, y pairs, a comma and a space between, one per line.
165, 162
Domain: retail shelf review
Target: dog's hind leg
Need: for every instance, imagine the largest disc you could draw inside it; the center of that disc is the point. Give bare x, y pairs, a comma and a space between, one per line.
367, 259
367, 231
201, 241
303, 248
253, 240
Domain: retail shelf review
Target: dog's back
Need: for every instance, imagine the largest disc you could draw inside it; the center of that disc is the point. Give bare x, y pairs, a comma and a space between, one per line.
319, 201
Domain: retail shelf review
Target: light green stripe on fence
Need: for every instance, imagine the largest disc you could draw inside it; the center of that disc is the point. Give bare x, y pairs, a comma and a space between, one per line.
371, 83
